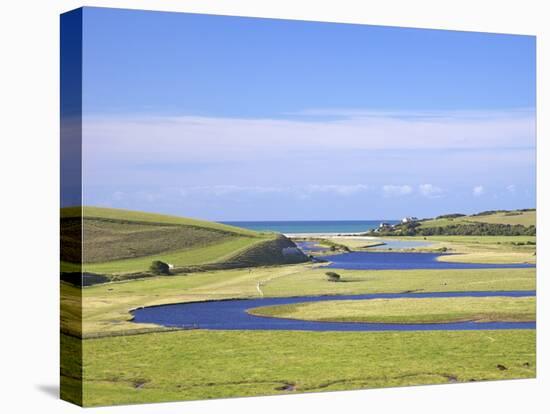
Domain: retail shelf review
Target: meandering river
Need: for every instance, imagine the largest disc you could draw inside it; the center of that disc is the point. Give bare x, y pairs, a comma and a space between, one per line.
232, 314
398, 260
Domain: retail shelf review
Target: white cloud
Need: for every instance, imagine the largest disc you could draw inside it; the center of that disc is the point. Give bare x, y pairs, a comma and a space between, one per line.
478, 190
195, 138
430, 190
396, 190
344, 190
301, 192
511, 188
220, 190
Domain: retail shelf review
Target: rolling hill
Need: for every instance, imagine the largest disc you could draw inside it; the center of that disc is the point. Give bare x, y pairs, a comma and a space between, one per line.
117, 242
487, 223
525, 218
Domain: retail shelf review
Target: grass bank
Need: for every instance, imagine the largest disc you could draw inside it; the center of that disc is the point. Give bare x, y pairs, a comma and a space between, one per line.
112, 242
190, 365
484, 249
106, 307
410, 310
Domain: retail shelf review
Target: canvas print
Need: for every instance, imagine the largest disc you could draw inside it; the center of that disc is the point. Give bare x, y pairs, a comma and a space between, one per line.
269, 207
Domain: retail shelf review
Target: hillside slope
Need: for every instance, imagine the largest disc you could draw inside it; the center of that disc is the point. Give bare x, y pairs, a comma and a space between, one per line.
487, 223
122, 241
513, 217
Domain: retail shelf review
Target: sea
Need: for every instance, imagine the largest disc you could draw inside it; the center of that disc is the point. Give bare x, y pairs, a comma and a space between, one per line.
321, 227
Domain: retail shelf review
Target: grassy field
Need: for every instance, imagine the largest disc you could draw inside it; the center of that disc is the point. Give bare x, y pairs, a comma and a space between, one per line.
106, 307
188, 365
484, 249
410, 310
524, 218
124, 362
143, 217
122, 241
163, 366
200, 255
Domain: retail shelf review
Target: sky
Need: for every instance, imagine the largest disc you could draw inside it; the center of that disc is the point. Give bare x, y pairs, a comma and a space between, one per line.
230, 118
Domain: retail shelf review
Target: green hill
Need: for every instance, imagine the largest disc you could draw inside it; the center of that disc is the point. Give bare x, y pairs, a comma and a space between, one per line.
118, 242
527, 217
486, 223
515, 217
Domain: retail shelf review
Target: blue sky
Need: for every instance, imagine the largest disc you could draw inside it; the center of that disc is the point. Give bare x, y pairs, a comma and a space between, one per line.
229, 118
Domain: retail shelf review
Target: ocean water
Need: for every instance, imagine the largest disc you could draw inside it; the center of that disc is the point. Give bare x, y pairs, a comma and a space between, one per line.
336, 226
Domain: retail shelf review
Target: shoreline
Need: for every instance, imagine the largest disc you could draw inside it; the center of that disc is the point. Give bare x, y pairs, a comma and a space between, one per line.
357, 236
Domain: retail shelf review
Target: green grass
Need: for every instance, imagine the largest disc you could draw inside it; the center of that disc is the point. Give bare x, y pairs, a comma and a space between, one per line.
441, 222
122, 241
164, 366
106, 307
139, 216
394, 281
153, 366
524, 218
209, 254
114, 240
482, 249
189, 365
409, 310
500, 242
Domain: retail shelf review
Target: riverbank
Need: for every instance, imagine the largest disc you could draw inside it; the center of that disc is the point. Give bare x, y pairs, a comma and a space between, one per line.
459, 249
114, 344
265, 314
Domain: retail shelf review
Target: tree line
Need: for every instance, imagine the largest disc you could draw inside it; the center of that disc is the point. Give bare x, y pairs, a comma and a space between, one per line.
460, 229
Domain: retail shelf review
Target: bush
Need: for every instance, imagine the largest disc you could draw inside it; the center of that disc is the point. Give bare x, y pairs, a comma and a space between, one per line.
333, 276
450, 216
159, 268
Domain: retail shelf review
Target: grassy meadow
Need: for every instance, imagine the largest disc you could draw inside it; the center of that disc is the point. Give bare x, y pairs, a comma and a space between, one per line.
116, 242
106, 307
189, 365
485, 249
410, 310
515, 217
215, 253
121, 362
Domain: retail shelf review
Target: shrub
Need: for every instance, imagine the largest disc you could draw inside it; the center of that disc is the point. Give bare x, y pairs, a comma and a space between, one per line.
159, 268
333, 276
450, 216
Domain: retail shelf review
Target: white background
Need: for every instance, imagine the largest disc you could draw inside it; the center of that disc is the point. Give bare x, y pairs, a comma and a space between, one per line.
29, 203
